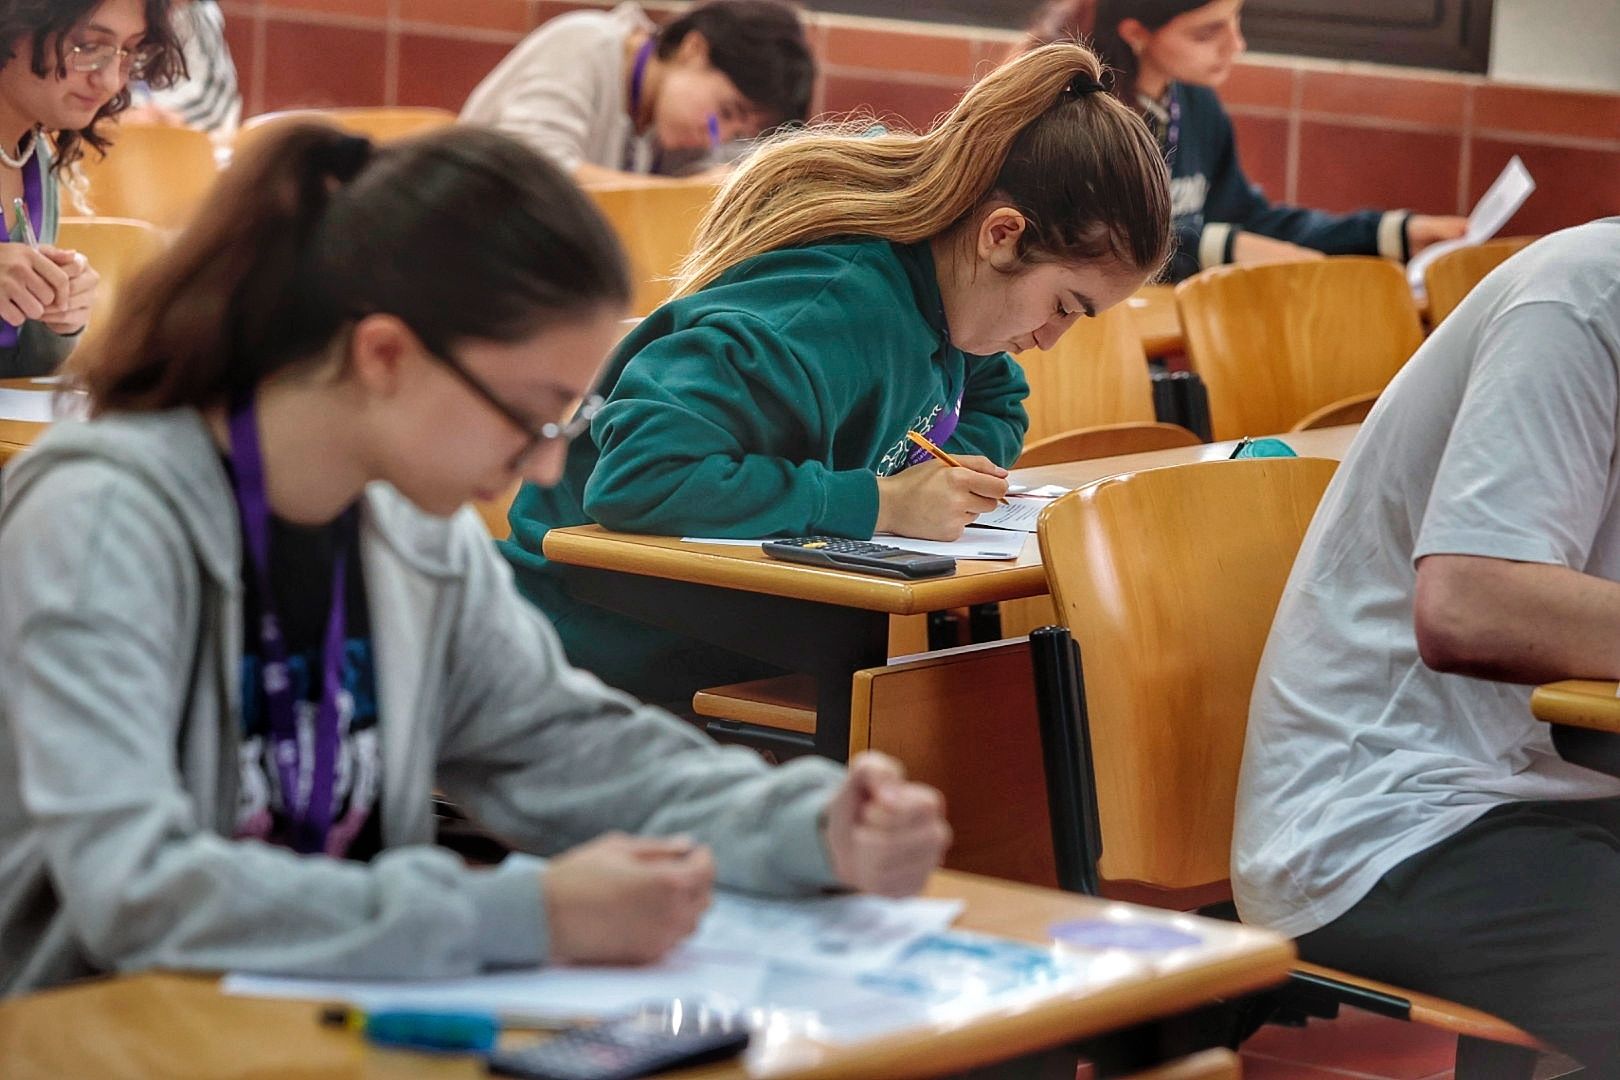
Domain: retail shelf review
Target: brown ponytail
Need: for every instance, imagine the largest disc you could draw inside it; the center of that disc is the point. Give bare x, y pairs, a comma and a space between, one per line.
1081, 167
462, 233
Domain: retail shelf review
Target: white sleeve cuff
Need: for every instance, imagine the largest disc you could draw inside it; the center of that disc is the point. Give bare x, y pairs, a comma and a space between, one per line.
1212, 243
1392, 234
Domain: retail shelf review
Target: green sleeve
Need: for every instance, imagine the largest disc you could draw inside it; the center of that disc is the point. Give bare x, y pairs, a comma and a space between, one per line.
712, 430
993, 419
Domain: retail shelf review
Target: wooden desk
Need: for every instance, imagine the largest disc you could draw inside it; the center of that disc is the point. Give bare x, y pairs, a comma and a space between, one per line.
1158, 323
170, 1027
825, 623
17, 435
1578, 703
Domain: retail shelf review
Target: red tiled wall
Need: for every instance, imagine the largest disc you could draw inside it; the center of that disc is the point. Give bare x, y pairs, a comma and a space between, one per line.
1332, 136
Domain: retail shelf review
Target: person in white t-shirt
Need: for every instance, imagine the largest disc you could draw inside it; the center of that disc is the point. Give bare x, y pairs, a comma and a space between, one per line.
1400, 810
208, 98
607, 93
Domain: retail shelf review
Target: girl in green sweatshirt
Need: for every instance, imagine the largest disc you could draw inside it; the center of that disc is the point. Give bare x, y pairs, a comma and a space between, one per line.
844, 290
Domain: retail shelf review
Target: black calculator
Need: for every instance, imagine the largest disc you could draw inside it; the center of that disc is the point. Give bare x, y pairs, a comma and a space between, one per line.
862, 556
617, 1050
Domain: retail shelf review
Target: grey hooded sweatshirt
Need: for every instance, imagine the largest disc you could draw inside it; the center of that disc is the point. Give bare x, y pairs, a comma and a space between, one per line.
120, 656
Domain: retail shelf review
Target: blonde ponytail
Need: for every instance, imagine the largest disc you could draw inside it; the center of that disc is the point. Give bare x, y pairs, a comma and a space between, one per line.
1021, 134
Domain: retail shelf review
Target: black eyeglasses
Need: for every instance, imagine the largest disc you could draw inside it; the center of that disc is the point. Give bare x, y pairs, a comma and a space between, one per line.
538, 433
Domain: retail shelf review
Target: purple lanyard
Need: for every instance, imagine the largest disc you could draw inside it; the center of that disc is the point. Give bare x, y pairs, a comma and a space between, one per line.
305, 760
637, 73
34, 201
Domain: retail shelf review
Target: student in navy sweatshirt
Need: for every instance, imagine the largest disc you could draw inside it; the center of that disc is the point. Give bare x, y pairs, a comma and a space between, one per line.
1168, 57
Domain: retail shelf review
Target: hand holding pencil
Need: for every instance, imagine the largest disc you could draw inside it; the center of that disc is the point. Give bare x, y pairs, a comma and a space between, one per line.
938, 499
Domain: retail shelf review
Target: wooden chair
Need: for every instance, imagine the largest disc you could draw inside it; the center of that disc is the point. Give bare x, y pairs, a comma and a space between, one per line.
963, 720
1106, 440
1453, 275
1351, 410
1274, 343
656, 225
116, 247
152, 173
1167, 581
381, 124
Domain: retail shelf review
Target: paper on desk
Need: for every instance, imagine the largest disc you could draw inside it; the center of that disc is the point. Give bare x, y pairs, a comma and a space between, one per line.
976, 543
1493, 210
843, 933
725, 961
39, 406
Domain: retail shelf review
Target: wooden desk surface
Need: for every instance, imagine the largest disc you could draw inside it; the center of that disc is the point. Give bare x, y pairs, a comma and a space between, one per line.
1157, 321
750, 570
171, 1027
1578, 703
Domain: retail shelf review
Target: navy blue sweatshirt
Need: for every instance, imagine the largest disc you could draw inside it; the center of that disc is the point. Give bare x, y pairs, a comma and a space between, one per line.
1213, 200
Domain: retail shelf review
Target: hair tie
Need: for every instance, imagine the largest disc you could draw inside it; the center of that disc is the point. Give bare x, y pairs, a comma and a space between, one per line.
343, 159
1083, 84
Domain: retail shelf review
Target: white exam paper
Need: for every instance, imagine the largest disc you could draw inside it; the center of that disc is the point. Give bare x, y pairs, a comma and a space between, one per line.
1499, 203
726, 962
37, 406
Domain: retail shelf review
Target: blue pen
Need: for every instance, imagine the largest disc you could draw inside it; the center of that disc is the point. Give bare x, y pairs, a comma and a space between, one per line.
420, 1029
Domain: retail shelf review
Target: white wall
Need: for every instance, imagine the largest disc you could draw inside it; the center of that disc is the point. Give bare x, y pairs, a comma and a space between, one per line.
1569, 43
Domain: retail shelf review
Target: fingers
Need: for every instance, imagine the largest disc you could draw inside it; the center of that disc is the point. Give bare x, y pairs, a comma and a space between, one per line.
980, 464
870, 771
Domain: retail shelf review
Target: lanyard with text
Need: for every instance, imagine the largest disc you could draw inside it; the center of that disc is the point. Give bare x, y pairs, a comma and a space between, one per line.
306, 758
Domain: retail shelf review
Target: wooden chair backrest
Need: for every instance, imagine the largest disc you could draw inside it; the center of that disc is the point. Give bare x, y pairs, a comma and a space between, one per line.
117, 248
656, 225
1350, 410
381, 124
1274, 343
152, 172
1096, 374
1453, 275
964, 721
1105, 440
1168, 580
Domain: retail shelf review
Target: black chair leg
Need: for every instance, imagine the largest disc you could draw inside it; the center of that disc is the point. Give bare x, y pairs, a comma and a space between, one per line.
1480, 1059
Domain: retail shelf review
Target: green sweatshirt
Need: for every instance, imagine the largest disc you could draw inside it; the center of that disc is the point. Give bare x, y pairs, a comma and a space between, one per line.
769, 403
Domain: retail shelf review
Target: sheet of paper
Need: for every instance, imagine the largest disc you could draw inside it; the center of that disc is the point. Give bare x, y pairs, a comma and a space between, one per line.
38, 406
842, 933
1019, 514
1499, 203
976, 543
725, 962
1045, 491
558, 993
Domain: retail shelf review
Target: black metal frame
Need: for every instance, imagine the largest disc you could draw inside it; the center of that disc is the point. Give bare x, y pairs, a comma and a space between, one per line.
1077, 847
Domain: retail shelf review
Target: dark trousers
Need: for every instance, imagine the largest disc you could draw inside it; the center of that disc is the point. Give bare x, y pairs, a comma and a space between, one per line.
1518, 914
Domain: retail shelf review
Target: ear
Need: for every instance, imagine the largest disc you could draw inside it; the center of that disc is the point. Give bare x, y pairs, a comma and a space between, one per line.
1133, 33
999, 234
693, 51
378, 351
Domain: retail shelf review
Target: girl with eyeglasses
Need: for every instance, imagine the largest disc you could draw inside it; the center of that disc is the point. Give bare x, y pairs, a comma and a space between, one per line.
845, 289
247, 628
1168, 58
64, 72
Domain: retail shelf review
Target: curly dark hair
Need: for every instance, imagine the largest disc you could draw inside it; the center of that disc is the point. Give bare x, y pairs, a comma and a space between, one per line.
42, 28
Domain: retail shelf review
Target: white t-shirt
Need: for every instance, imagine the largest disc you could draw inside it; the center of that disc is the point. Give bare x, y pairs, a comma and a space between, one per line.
1497, 439
565, 92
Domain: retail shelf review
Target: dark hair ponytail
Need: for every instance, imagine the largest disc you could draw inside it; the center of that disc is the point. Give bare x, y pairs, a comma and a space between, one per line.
462, 233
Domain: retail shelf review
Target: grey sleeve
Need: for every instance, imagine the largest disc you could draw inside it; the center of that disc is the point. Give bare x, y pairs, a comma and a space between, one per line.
548, 757
1526, 470
39, 351
99, 624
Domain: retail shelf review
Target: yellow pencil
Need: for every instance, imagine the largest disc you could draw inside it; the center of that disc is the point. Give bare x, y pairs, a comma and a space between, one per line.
922, 441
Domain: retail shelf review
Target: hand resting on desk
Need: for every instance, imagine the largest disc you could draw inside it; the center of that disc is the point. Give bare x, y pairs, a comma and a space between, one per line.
933, 501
